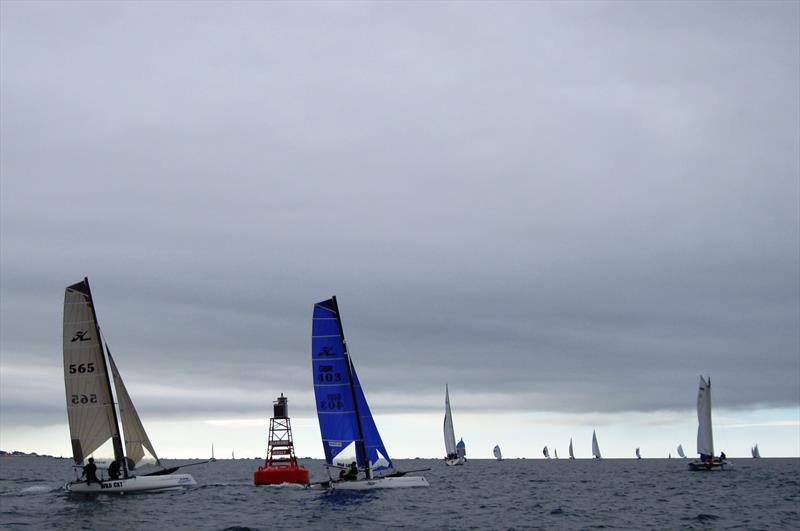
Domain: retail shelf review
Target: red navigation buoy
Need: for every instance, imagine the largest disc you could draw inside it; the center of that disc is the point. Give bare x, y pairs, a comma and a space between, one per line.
281, 464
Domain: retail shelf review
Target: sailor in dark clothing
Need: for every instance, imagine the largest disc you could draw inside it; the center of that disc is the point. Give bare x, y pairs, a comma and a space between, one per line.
90, 472
722, 456
351, 474
113, 470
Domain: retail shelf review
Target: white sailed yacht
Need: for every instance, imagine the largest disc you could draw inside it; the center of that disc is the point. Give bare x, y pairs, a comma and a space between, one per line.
93, 419
680, 451
349, 433
754, 452
497, 453
705, 436
452, 458
571, 453
595, 447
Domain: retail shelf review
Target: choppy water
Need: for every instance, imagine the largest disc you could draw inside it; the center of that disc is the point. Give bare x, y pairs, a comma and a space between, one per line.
484, 494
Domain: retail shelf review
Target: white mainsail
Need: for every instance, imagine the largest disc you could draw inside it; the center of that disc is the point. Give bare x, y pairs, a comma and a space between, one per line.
571, 453
497, 453
680, 451
132, 429
595, 447
449, 433
755, 451
90, 407
705, 438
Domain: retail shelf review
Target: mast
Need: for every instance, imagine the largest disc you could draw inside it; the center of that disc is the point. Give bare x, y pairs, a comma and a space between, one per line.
116, 440
360, 446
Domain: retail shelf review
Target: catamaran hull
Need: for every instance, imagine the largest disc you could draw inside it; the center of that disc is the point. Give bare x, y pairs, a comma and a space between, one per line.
402, 482
455, 462
699, 466
134, 484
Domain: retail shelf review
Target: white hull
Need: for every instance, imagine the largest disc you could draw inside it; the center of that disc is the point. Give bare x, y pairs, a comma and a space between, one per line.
456, 461
135, 484
381, 483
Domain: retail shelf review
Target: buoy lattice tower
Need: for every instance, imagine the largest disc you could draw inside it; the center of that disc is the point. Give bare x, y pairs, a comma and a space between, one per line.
280, 465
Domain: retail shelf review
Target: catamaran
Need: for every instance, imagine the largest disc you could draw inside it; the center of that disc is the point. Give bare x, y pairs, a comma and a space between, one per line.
571, 453
461, 449
545, 453
92, 417
452, 458
349, 433
754, 452
638, 455
555, 452
705, 436
680, 451
595, 447
497, 453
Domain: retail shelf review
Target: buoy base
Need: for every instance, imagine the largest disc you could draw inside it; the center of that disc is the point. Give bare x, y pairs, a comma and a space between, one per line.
275, 475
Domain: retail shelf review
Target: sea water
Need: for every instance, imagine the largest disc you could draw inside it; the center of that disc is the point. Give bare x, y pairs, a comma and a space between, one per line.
483, 494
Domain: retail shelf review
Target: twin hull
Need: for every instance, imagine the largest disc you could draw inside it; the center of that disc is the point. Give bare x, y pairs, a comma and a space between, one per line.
382, 483
135, 484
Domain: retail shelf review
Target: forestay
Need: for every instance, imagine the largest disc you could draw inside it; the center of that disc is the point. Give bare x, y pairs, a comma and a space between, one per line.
90, 408
346, 424
132, 429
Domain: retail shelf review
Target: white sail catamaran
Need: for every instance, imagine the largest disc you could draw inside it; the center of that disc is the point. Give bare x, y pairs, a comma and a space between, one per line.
571, 453
91, 412
705, 435
497, 453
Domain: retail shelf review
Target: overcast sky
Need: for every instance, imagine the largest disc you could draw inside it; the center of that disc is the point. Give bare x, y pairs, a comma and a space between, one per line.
567, 211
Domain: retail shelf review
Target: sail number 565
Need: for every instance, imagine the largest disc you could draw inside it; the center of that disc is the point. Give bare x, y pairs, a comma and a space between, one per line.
81, 368
84, 399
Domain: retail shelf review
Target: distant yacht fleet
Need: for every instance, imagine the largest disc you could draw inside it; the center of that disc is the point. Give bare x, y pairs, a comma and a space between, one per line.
355, 455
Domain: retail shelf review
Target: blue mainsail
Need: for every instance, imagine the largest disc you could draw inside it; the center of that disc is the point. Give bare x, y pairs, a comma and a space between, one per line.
345, 422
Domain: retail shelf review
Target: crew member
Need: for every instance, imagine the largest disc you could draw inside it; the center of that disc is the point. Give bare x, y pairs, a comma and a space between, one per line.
90, 472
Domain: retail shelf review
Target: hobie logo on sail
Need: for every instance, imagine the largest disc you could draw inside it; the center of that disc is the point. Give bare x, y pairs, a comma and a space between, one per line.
80, 335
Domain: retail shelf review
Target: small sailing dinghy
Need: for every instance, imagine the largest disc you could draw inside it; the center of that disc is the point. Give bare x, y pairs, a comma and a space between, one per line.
638, 455
595, 447
349, 434
571, 453
452, 458
555, 453
92, 417
497, 453
680, 451
705, 436
545, 453
754, 452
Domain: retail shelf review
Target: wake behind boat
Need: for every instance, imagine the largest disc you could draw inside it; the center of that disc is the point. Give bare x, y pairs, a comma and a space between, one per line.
91, 413
705, 436
351, 441
453, 457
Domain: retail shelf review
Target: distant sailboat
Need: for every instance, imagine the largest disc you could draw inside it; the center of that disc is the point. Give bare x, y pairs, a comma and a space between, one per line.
705, 436
680, 451
461, 449
754, 452
595, 447
669, 456
452, 458
555, 453
571, 453
497, 453
638, 455
213, 459
93, 420
546, 453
